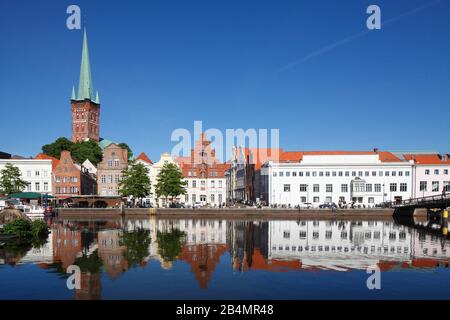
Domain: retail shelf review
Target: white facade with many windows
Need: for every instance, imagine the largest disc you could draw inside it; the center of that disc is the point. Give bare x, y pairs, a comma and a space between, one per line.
36, 172
363, 179
206, 191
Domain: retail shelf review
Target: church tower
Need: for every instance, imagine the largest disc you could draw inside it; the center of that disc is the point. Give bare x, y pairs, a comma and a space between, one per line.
85, 107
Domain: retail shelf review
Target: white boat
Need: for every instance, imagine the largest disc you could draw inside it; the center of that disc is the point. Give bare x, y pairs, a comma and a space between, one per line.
33, 212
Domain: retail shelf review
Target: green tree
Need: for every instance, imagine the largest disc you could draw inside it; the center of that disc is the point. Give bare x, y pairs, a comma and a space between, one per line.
10, 180
170, 244
137, 245
123, 145
87, 150
170, 182
135, 181
80, 151
55, 148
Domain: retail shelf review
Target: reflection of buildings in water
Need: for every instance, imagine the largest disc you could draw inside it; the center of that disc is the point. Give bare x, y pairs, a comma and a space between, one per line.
331, 245
66, 244
91, 287
248, 243
111, 252
42, 255
205, 243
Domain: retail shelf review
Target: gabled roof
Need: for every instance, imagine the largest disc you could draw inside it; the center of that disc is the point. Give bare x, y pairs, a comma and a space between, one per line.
104, 143
42, 156
144, 158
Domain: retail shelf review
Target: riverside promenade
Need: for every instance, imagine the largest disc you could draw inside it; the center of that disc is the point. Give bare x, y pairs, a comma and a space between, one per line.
233, 213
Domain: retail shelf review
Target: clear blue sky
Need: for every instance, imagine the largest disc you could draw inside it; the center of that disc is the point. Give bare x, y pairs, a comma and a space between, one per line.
305, 67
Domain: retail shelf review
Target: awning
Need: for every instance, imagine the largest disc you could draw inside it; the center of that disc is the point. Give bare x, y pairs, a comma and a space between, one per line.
30, 196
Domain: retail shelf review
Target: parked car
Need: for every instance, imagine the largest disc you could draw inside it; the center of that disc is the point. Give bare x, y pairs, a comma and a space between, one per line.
305, 205
328, 205
197, 205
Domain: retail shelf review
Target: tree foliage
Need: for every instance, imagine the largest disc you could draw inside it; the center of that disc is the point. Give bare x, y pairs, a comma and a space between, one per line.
11, 180
170, 182
80, 151
135, 181
170, 244
137, 244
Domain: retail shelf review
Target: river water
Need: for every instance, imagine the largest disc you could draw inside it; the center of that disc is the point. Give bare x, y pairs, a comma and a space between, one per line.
154, 258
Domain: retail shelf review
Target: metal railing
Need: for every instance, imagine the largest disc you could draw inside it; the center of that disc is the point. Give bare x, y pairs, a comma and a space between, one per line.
442, 199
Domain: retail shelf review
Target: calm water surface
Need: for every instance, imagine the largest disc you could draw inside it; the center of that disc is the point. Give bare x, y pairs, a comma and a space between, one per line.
230, 259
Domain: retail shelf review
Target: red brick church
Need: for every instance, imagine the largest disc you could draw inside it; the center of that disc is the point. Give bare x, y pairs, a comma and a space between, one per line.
85, 107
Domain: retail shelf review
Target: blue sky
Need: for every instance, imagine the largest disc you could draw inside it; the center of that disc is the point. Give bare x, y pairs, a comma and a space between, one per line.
305, 67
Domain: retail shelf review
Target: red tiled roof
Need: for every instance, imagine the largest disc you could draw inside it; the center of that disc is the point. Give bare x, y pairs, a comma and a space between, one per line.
144, 158
426, 159
42, 156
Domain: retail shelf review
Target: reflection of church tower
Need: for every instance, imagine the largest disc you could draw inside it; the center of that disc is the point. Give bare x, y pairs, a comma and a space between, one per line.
85, 107
91, 288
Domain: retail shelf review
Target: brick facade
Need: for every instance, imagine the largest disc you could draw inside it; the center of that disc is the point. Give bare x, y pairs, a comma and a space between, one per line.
85, 121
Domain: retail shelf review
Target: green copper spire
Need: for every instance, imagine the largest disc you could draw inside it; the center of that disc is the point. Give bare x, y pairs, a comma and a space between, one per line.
73, 94
85, 87
97, 98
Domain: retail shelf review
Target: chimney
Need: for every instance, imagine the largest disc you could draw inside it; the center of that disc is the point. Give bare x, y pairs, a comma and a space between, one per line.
375, 150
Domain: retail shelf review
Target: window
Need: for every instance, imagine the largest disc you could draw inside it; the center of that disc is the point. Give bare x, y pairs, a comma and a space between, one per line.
212, 198
110, 178
302, 234
194, 184
341, 173
328, 235
281, 174
316, 188
220, 198
220, 183
353, 173
423, 186
37, 186
186, 198
288, 174
116, 178
427, 172
377, 187
371, 200
194, 199
393, 187
110, 163
103, 178
400, 173
58, 179
436, 171
403, 187
394, 173
307, 174
303, 187
28, 186
300, 174
28, 173
369, 187
446, 171
386, 174
447, 186
286, 235
213, 184
320, 174
344, 188
36, 173
435, 186
328, 199
116, 163
316, 199
314, 174
407, 173
329, 188
303, 199
287, 188
45, 186
374, 173
294, 174
341, 199
347, 173
274, 174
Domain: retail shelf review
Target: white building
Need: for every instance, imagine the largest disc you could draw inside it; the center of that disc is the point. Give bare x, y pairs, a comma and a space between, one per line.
204, 175
362, 178
36, 172
431, 173
154, 170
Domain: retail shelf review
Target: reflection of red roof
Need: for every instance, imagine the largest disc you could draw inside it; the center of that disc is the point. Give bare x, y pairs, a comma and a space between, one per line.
42, 156
427, 159
144, 158
425, 263
259, 262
